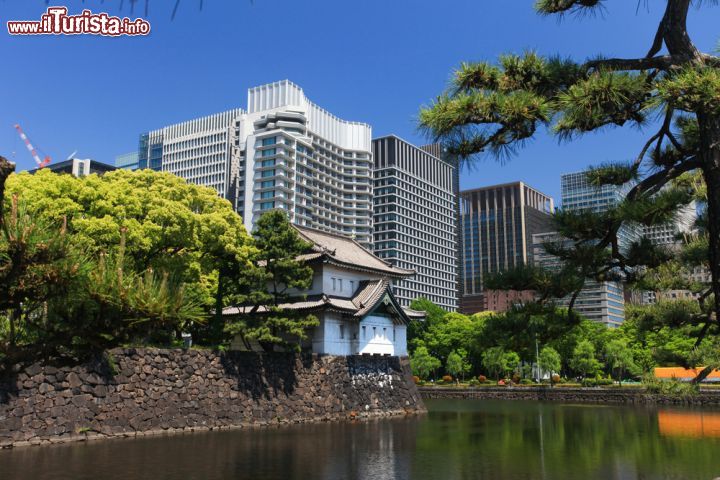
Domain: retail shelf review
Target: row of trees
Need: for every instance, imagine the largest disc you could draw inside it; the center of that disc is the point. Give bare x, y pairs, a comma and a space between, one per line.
136, 257
500, 344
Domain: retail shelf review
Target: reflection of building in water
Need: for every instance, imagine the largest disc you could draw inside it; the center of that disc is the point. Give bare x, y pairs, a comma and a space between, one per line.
689, 424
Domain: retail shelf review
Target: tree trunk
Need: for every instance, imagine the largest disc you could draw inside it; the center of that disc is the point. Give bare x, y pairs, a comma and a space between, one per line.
710, 157
6, 168
216, 329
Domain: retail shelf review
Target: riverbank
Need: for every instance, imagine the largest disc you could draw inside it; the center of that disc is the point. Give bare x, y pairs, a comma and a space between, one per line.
608, 395
136, 392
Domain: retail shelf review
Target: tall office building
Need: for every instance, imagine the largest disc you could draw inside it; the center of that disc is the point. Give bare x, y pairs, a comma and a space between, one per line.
601, 302
284, 152
682, 223
498, 224
203, 151
578, 195
439, 151
415, 220
127, 161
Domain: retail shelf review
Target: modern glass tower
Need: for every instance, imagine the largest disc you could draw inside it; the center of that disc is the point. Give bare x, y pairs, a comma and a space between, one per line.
415, 220
283, 152
127, 161
498, 224
602, 302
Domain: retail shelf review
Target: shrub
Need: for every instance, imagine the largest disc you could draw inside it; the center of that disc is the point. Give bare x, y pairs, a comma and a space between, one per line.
556, 378
416, 379
526, 381
473, 382
671, 388
447, 378
589, 382
516, 378
482, 379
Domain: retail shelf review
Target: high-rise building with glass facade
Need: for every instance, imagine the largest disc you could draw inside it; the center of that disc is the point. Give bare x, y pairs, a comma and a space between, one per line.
127, 161
415, 220
578, 195
283, 152
603, 302
497, 225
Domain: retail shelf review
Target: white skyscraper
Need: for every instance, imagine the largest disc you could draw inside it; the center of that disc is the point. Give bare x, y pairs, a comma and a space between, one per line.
284, 152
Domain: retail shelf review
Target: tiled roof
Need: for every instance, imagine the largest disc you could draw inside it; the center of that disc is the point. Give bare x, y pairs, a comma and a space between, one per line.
347, 252
368, 295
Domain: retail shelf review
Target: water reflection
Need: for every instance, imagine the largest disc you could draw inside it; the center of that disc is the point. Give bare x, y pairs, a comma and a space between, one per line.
689, 423
457, 440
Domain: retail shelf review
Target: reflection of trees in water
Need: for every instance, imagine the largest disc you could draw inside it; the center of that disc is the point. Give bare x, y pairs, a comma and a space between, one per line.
504, 440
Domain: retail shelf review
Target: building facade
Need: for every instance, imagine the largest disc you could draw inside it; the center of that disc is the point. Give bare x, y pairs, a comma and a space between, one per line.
601, 302
203, 151
78, 167
415, 220
578, 195
498, 224
127, 161
283, 152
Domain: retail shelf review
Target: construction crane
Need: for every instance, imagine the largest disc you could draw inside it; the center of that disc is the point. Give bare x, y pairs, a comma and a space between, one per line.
31, 149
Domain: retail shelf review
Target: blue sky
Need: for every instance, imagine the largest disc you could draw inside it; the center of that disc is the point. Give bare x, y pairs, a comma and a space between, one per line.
375, 61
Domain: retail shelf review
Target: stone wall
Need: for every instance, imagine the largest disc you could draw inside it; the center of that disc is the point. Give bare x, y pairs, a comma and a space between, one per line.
572, 395
131, 392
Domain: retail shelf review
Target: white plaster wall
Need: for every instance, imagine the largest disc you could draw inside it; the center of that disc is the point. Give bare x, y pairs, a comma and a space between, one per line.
326, 339
330, 272
376, 336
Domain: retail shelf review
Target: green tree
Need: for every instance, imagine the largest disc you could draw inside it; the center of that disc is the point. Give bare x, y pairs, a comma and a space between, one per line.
550, 361
454, 332
277, 277
70, 302
434, 314
496, 108
495, 361
457, 364
422, 363
583, 359
168, 224
620, 358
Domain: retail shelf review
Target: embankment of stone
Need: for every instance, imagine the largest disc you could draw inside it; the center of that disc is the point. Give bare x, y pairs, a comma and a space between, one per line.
636, 396
130, 392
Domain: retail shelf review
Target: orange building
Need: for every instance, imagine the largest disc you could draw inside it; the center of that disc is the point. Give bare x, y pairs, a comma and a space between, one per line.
685, 374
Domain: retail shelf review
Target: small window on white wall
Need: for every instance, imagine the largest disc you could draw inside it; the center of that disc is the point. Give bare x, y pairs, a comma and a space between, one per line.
352, 286
334, 280
342, 332
340, 284
384, 332
364, 335
394, 336
374, 332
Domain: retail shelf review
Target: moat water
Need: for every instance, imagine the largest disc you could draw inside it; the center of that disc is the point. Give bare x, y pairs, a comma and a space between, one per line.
458, 439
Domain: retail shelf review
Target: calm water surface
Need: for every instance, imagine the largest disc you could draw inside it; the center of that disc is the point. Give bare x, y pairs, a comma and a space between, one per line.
458, 439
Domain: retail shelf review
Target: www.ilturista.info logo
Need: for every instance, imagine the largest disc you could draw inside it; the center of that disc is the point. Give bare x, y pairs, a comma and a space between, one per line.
56, 21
